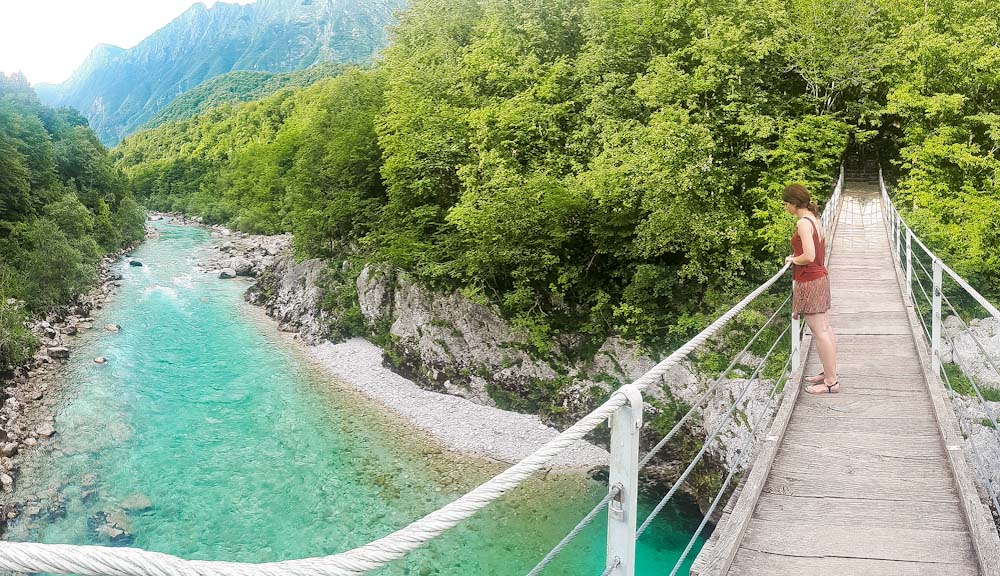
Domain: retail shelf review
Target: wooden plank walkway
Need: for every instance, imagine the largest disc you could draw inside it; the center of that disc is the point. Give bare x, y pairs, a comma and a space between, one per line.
861, 482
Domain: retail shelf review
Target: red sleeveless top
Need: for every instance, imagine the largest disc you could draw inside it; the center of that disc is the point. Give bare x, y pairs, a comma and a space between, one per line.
815, 269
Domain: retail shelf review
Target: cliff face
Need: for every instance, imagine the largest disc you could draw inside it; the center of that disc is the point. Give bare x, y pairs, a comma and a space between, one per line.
118, 90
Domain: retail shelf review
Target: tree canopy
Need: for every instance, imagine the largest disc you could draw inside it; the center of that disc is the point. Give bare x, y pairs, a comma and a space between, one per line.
604, 167
63, 205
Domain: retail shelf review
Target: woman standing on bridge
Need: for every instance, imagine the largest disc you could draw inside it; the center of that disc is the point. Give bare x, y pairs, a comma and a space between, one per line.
811, 292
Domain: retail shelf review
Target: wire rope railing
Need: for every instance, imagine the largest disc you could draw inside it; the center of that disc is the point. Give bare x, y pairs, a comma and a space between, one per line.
623, 410
908, 250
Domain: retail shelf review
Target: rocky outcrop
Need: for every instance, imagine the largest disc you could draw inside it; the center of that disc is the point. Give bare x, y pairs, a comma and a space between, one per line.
455, 345
448, 343
290, 292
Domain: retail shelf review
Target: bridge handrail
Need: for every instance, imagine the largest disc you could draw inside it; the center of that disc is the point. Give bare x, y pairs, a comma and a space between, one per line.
100, 560
122, 561
902, 239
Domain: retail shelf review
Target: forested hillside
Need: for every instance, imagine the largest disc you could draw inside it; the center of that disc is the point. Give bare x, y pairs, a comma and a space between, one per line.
63, 205
238, 86
119, 90
605, 167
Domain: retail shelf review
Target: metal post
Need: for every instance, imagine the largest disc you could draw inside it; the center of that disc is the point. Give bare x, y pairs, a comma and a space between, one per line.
936, 320
895, 235
624, 477
796, 337
909, 263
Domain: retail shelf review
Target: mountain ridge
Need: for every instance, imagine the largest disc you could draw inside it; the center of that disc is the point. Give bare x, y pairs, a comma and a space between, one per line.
120, 89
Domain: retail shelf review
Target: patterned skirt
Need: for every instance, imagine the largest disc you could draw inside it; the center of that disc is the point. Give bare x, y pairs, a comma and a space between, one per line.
812, 297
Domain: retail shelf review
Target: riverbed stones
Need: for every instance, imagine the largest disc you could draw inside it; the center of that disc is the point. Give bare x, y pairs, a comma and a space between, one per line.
227, 273
8, 449
7, 482
113, 327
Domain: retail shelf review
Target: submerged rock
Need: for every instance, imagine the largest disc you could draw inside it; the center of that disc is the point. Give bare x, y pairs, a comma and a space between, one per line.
100, 360
134, 263
136, 503
227, 273
113, 327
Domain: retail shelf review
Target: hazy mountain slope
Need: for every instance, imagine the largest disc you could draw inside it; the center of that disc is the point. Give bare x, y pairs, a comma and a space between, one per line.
119, 90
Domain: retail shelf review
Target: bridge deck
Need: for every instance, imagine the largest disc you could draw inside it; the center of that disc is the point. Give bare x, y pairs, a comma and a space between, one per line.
861, 482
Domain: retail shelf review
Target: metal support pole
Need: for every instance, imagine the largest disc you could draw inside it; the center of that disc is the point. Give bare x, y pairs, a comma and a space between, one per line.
895, 236
796, 337
622, 510
936, 320
909, 263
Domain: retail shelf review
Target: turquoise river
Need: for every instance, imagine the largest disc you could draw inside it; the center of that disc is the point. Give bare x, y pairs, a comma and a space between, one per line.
246, 452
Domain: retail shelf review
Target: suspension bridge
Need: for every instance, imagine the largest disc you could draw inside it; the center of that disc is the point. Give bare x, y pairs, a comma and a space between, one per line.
883, 478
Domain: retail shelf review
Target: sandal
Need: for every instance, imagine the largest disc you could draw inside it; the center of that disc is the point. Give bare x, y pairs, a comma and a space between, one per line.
816, 379
829, 388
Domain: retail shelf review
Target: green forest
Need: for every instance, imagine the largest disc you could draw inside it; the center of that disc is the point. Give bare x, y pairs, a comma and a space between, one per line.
600, 167
63, 205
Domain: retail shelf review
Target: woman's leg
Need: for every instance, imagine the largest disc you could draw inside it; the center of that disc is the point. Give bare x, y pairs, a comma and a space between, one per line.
826, 345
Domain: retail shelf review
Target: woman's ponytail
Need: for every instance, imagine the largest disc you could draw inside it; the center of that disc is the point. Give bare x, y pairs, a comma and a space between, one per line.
814, 209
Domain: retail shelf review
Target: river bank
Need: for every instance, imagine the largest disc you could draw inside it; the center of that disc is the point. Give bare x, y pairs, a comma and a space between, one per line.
458, 424
27, 417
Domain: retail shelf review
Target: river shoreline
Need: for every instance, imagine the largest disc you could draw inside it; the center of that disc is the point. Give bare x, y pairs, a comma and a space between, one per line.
27, 416
457, 424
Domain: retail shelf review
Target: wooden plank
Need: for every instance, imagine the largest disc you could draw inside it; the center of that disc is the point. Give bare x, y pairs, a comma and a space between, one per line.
840, 405
817, 484
755, 563
867, 512
807, 539
848, 425
851, 460
922, 447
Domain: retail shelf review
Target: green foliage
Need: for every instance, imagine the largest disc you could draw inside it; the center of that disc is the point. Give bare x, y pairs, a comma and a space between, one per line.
17, 343
237, 86
62, 206
603, 168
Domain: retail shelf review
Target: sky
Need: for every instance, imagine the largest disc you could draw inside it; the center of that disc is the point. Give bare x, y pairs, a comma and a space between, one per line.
48, 39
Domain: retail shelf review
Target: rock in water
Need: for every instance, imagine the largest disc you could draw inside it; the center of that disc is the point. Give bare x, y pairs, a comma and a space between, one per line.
134, 263
46, 430
136, 503
58, 352
100, 360
242, 266
7, 482
113, 327
227, 273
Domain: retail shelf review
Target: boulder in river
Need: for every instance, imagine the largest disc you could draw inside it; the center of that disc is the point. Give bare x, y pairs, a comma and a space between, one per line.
100, 360
6, 482
58, 352
113, 327
8, 449
242, 266
46, 430
134, 263
227, 273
